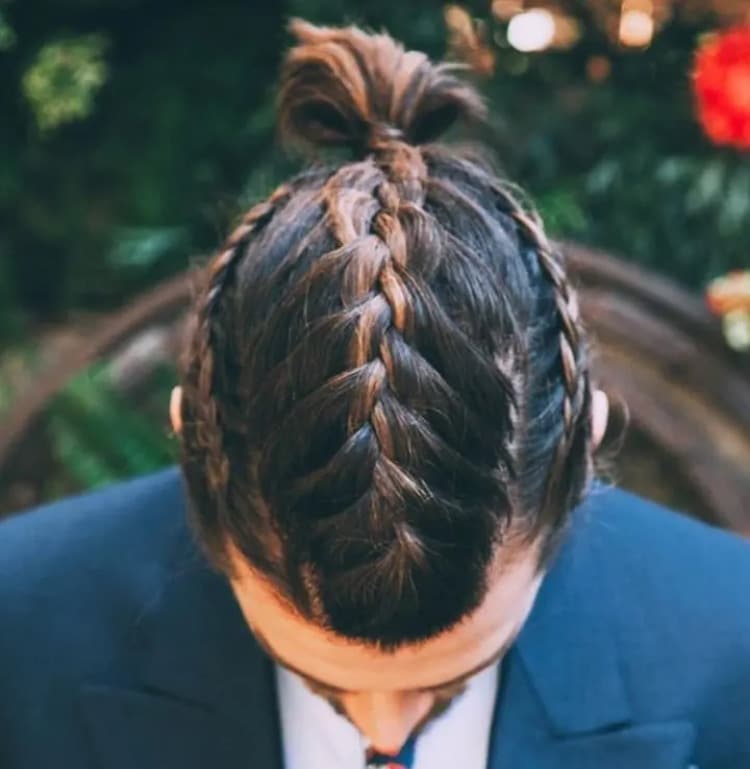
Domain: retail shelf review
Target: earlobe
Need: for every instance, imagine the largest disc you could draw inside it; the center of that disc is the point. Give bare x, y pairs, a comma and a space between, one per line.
175, 409
599, 417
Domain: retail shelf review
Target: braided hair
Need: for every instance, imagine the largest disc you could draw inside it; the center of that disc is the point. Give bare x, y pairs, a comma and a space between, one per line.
387, 375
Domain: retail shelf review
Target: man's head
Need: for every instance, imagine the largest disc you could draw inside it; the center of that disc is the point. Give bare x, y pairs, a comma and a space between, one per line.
391, 695
385, 415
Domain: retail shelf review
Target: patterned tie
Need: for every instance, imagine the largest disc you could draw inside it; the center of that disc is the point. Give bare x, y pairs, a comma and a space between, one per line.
403, 760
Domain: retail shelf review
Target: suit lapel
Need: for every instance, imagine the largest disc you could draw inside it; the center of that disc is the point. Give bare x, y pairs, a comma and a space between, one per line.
148, 730
525, 735
204, 695
562, 702
667, 745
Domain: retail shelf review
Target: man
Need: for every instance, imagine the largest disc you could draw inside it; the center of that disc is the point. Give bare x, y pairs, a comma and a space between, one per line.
388, 433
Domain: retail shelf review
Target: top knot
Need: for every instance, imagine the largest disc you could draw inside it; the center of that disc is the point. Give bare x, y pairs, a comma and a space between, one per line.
344, 87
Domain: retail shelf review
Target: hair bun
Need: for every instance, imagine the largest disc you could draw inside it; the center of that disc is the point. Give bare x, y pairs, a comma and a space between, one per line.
344, 87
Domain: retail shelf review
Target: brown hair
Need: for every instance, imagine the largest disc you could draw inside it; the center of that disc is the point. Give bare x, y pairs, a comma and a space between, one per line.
387, 372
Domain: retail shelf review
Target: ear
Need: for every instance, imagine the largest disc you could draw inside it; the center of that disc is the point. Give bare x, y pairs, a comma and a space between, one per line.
175, 409
599, 417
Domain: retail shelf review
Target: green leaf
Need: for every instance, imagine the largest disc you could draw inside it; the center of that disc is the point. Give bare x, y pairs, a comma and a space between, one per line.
708, 188
562, 211
603, 176
63, 79
672, 170
143, 247
734, 213
82, 460
99, 420
7, 34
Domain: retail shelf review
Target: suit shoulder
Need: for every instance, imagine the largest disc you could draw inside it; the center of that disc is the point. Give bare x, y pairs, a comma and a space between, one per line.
660, 540
671, 571
75, 542
81, 581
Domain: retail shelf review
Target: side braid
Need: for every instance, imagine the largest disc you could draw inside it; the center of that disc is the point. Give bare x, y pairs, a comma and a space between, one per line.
573, 353
205, 426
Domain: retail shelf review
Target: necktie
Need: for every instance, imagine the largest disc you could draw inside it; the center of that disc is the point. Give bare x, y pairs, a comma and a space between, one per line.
403, 760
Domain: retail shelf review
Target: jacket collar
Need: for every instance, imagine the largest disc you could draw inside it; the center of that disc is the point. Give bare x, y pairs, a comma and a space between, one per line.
568, 646
563, 702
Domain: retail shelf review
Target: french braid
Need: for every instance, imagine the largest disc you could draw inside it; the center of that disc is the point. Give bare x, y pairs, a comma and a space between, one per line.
378, 357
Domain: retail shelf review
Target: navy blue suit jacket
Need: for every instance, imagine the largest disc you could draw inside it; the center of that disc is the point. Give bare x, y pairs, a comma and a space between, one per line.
121, 649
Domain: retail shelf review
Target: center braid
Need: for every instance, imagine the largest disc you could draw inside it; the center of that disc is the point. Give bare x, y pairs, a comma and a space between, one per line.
376, 286
377, 513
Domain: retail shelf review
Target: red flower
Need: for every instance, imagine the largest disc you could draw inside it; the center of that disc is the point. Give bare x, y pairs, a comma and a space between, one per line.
721, 80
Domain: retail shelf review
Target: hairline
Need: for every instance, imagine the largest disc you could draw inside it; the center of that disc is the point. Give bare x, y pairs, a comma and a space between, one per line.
462, 678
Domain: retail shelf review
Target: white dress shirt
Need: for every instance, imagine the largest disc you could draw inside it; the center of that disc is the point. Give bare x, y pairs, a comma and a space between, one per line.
314, 736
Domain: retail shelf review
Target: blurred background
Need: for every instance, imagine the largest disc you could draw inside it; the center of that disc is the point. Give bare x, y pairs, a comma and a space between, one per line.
132, 135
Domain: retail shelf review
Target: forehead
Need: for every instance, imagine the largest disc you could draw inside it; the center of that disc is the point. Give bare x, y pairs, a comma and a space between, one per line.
344, 664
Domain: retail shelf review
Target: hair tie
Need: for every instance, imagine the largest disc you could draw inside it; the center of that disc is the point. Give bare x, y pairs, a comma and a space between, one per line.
383, 134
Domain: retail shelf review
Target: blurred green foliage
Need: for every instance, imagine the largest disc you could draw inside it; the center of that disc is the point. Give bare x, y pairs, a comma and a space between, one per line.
61, 83
7, 35
99, 436
108, 186
132, 133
